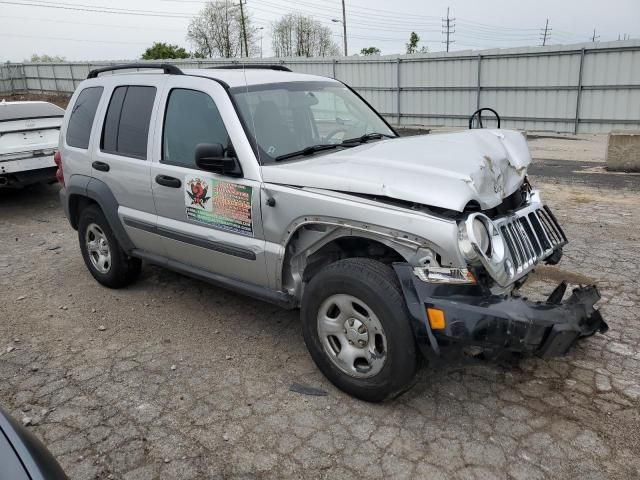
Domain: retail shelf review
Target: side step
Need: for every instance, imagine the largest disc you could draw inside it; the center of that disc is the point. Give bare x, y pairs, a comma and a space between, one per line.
280, 299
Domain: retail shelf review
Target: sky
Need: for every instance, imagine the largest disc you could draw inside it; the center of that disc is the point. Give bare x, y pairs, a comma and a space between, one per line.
83, 30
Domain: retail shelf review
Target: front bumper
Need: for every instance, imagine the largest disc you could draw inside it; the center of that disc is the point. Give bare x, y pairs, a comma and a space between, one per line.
507, 323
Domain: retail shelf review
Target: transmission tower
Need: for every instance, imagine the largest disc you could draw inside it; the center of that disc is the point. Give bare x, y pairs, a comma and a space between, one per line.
448, 29
545, 34
594, 37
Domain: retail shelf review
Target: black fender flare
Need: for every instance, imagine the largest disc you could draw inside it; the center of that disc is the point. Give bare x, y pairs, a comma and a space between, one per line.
100, 193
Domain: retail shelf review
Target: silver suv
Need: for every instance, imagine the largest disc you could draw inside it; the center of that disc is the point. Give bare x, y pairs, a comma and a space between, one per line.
291, 188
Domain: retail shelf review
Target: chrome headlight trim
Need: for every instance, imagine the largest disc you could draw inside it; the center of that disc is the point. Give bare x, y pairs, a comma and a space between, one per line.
492, 258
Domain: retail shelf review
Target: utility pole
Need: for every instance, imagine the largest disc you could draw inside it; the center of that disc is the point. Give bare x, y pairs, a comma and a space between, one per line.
447, 24
344, 28
261, 29
546, 33
244, 30
594, 37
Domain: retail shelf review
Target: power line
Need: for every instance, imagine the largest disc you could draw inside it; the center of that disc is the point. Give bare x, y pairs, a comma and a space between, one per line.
72, 39
448, 24
546, 34
108, 25
88, 8
360, 21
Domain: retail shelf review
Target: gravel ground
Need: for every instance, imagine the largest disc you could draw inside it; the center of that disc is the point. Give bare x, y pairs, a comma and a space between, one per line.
172, 378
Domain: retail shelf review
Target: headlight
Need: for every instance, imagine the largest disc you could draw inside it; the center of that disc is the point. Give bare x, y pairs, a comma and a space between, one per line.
476, 231
481, 236
444, 275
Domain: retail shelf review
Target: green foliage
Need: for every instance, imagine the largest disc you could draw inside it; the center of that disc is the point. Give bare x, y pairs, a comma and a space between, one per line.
412, 45
370, 51
161, 50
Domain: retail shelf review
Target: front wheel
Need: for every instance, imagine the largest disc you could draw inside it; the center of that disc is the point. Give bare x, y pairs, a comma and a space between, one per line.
356, 326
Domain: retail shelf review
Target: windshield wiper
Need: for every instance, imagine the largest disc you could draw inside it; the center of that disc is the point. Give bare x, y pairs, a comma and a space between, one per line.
366, 137
307, 151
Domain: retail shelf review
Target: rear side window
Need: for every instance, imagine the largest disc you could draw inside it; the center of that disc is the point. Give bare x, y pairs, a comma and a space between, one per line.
82, 115
191, 118
126, 124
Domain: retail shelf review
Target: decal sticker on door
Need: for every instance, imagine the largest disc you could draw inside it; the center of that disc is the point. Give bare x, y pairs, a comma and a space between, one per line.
219, 204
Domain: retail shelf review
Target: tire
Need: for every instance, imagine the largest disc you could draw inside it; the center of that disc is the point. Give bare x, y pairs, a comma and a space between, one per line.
329, 299
106, 261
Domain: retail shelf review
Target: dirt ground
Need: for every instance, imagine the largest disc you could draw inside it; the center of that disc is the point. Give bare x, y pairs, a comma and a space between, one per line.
60, 100
172, 378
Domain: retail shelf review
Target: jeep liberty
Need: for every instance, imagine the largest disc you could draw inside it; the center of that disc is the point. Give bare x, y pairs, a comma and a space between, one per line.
292, 189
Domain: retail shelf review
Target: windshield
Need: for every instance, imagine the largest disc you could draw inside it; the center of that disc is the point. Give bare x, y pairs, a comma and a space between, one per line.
291, 117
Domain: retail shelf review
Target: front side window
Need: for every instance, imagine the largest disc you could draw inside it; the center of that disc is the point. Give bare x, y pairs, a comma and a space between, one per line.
126, 124
191, 118
290, 117
82, 115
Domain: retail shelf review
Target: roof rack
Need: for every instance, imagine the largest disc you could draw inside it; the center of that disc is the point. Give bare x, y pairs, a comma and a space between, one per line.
253, 66
166, 67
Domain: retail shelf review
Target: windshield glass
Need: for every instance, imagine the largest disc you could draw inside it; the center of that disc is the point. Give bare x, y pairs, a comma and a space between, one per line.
290, 117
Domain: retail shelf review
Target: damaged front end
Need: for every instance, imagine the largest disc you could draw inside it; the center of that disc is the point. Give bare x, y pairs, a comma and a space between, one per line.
479, 305
472, 316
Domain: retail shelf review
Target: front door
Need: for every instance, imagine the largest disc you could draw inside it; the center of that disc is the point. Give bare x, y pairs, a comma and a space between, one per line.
209, 221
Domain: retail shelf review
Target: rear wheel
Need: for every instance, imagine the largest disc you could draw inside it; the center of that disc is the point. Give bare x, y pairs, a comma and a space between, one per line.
102, 254
356, 327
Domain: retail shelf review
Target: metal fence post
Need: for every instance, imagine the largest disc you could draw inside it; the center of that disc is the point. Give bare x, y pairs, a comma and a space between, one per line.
398, 88
335, 61
10, 80
579, 93
73, 80
479, 86
55, 79
24, 78
39, 78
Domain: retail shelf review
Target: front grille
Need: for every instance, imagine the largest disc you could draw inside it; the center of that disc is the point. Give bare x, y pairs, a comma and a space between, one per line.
531, 235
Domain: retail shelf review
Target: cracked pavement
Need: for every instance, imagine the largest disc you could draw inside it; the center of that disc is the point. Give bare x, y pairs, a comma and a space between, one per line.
190, 381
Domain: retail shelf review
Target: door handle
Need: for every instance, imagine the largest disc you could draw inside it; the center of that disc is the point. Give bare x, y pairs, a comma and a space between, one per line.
103, 167
167, 181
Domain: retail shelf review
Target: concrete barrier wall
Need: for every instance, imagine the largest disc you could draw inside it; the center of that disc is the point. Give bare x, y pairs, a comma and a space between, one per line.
623, 152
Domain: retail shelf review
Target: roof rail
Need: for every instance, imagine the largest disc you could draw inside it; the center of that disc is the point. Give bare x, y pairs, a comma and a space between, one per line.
253, 66
166, 67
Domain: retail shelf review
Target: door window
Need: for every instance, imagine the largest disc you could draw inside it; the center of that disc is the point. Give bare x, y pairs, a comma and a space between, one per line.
126, 124
191, 118
82, 115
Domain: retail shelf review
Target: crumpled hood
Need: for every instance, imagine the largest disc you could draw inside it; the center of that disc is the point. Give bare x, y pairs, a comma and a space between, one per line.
441, 170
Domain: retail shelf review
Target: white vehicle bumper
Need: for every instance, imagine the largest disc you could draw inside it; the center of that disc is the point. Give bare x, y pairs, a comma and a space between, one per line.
26, 164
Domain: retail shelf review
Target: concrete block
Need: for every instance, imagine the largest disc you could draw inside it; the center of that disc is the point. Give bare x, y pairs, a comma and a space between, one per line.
623, 152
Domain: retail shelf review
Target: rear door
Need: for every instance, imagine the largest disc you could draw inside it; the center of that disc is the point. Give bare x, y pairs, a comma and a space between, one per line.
122, 156
209, 221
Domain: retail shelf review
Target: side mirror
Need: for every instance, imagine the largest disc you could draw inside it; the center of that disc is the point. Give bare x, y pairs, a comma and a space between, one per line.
210, 157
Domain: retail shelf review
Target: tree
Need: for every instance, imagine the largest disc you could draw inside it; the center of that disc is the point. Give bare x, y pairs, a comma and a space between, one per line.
35, 58
296, 35
161, 50
217, 31
370, 51
412, 45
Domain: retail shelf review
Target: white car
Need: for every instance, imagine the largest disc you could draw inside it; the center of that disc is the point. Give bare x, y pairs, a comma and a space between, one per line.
29, 134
